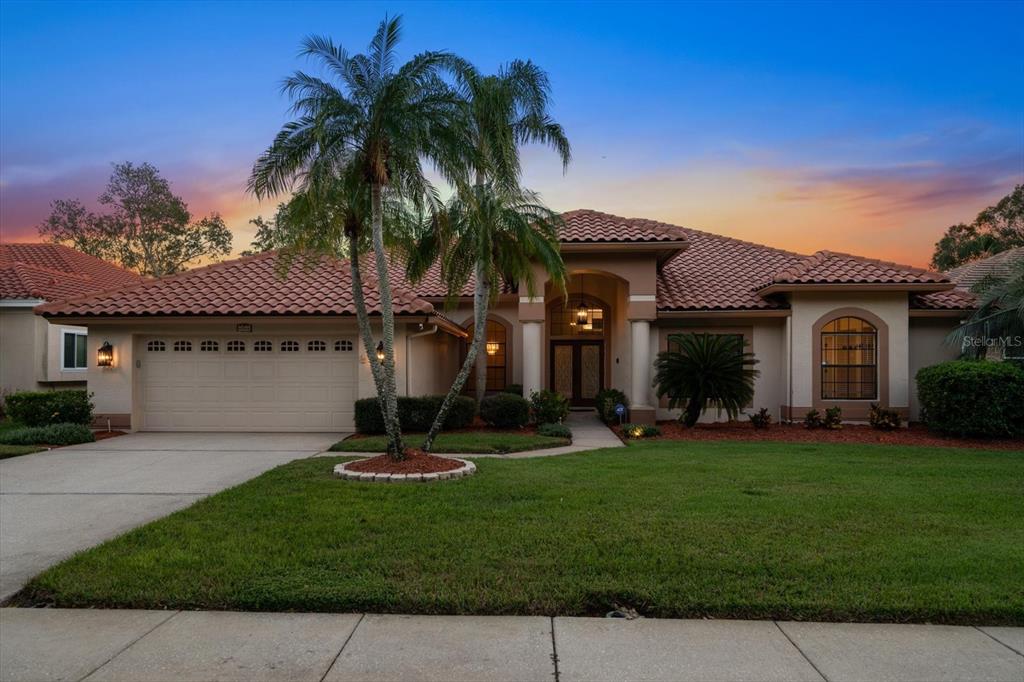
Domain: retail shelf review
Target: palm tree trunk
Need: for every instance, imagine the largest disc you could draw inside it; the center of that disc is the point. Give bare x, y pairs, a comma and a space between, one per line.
481, 300
480, 335
692, 412
363, 318
389, 398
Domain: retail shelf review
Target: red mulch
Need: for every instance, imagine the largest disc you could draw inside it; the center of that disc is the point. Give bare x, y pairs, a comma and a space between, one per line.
415, 462
915, 434
103, 435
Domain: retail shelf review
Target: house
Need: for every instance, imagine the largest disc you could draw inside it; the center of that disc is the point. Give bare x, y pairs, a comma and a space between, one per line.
33, 353
232, 346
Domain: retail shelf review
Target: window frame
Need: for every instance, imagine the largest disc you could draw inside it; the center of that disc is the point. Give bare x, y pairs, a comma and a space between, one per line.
64, 333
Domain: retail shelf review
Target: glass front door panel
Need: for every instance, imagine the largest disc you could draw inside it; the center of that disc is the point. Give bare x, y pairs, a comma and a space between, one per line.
562, 383
590, 371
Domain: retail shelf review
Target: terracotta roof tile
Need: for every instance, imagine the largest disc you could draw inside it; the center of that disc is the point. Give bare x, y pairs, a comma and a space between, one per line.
54, 272
954, 299
584, 225
827, 267
246, 286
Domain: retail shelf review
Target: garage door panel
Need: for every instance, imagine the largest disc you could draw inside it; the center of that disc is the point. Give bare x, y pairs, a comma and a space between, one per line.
246, 390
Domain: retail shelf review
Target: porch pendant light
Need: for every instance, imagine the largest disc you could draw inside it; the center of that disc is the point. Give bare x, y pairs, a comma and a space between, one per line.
581, 309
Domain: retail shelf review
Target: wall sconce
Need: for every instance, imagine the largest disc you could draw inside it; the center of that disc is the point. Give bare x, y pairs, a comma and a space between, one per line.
380, 352
492, 347
105, 355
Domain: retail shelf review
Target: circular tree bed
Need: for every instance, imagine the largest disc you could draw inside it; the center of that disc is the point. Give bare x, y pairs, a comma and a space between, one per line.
417, 466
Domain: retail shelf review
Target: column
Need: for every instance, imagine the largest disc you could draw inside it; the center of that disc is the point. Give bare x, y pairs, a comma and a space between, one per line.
533, 335
640, 410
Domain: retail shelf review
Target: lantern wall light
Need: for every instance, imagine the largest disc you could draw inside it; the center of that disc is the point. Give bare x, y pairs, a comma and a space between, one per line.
105, 355
380, 352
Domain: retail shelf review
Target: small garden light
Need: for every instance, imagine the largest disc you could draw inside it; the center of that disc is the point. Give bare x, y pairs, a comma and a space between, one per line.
492, 347
380, 352
105, 355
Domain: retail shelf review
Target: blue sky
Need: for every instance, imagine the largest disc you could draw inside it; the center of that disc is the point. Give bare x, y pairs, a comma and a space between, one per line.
857, 127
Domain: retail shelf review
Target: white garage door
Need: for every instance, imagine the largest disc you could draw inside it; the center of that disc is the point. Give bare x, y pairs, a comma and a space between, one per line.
267, 383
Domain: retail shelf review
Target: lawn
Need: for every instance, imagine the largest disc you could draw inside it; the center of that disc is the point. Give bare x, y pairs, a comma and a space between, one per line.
480, 442
16, 450
745, 530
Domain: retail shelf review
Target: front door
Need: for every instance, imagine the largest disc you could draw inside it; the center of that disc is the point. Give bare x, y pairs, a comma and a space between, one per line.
577, 370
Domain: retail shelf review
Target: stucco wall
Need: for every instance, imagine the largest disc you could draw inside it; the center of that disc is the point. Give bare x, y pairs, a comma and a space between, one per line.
53, 370
808, 308
928, 347
22, 349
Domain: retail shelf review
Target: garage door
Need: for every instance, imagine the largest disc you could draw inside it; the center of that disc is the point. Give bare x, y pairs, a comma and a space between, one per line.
271, 383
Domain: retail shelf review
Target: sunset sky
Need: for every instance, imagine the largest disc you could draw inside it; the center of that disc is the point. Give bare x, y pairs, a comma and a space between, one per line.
865, 128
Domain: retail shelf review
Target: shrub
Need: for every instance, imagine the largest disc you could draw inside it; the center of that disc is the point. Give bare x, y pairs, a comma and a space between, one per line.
762, 419
833, 418
605, 402
514, 389
505, 410
51, 434
973, 398
813, 420
548, 407
39, 408
554, 430
414, 413
884, 419
640, 430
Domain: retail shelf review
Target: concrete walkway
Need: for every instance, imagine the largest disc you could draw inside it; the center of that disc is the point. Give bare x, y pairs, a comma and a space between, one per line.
57, 644
53, 504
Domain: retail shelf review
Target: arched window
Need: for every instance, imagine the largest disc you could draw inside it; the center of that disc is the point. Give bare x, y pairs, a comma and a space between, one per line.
581, 316
849, 360
236, 346
316, 346
263, 346
344, 345
183, 346
290, 346
209, 346
495, 347
156, 346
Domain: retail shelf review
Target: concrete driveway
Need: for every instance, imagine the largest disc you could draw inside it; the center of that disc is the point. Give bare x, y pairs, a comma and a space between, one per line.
53, 504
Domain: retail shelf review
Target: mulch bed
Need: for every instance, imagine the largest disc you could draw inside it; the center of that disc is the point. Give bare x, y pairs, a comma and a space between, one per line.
915, 434
415, 462
103, 435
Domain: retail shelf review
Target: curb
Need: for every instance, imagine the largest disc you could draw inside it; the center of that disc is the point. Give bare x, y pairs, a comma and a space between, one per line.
341, 471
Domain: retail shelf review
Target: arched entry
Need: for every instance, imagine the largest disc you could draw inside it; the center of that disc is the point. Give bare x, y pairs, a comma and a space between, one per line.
578, 329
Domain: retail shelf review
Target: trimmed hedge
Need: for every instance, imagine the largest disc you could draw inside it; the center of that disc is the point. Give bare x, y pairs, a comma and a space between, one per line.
52, 434
973, 398
554, 430
548, 407
415, 413
505, 410
39, 408
605, 402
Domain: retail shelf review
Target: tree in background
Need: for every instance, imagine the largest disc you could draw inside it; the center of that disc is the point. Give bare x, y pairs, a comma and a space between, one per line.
999, 317
147, 227
996, 229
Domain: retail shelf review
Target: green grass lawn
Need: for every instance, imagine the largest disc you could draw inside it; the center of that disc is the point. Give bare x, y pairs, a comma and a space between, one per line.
480, 442
16, 450
674, 529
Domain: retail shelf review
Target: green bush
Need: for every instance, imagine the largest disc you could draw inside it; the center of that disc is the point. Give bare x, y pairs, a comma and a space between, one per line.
973, 398
505, 410
548, 407
884, 419
605, 402
554, 430
39, 408
51, 434
415, 413
761, 419
640, 430
833, 418
813, 420
514, 389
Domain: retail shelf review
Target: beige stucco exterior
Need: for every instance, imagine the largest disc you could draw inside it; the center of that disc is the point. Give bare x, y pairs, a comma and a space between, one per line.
31, 352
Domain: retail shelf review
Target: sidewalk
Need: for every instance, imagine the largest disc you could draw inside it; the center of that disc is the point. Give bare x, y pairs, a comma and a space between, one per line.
62, 644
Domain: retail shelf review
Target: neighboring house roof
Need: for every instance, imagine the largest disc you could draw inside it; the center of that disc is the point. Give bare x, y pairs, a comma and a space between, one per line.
246, 286
54, 272
997, 266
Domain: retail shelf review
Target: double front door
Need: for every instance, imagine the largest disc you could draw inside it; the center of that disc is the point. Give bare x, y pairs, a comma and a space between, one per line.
577, 370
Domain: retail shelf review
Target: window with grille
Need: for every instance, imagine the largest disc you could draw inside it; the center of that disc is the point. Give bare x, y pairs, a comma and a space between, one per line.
344, 345
316, 346
156, 346
849, 360
289, 346
183, 346
262, 346
209, 347
236, 346
495, 347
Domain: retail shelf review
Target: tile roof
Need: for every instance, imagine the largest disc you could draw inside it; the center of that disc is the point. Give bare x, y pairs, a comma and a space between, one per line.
954, 299
999, 265
246, 286
53, 272
828, 267
586, 226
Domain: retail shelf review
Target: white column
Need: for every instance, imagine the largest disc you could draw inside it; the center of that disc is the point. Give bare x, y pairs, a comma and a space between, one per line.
641, 369
533, 333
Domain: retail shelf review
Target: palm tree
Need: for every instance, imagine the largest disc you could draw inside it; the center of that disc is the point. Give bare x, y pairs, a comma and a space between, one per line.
381, 122
1000, 312
488, 235
707, 370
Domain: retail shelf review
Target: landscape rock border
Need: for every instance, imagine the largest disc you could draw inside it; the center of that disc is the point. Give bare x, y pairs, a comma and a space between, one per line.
341, 471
